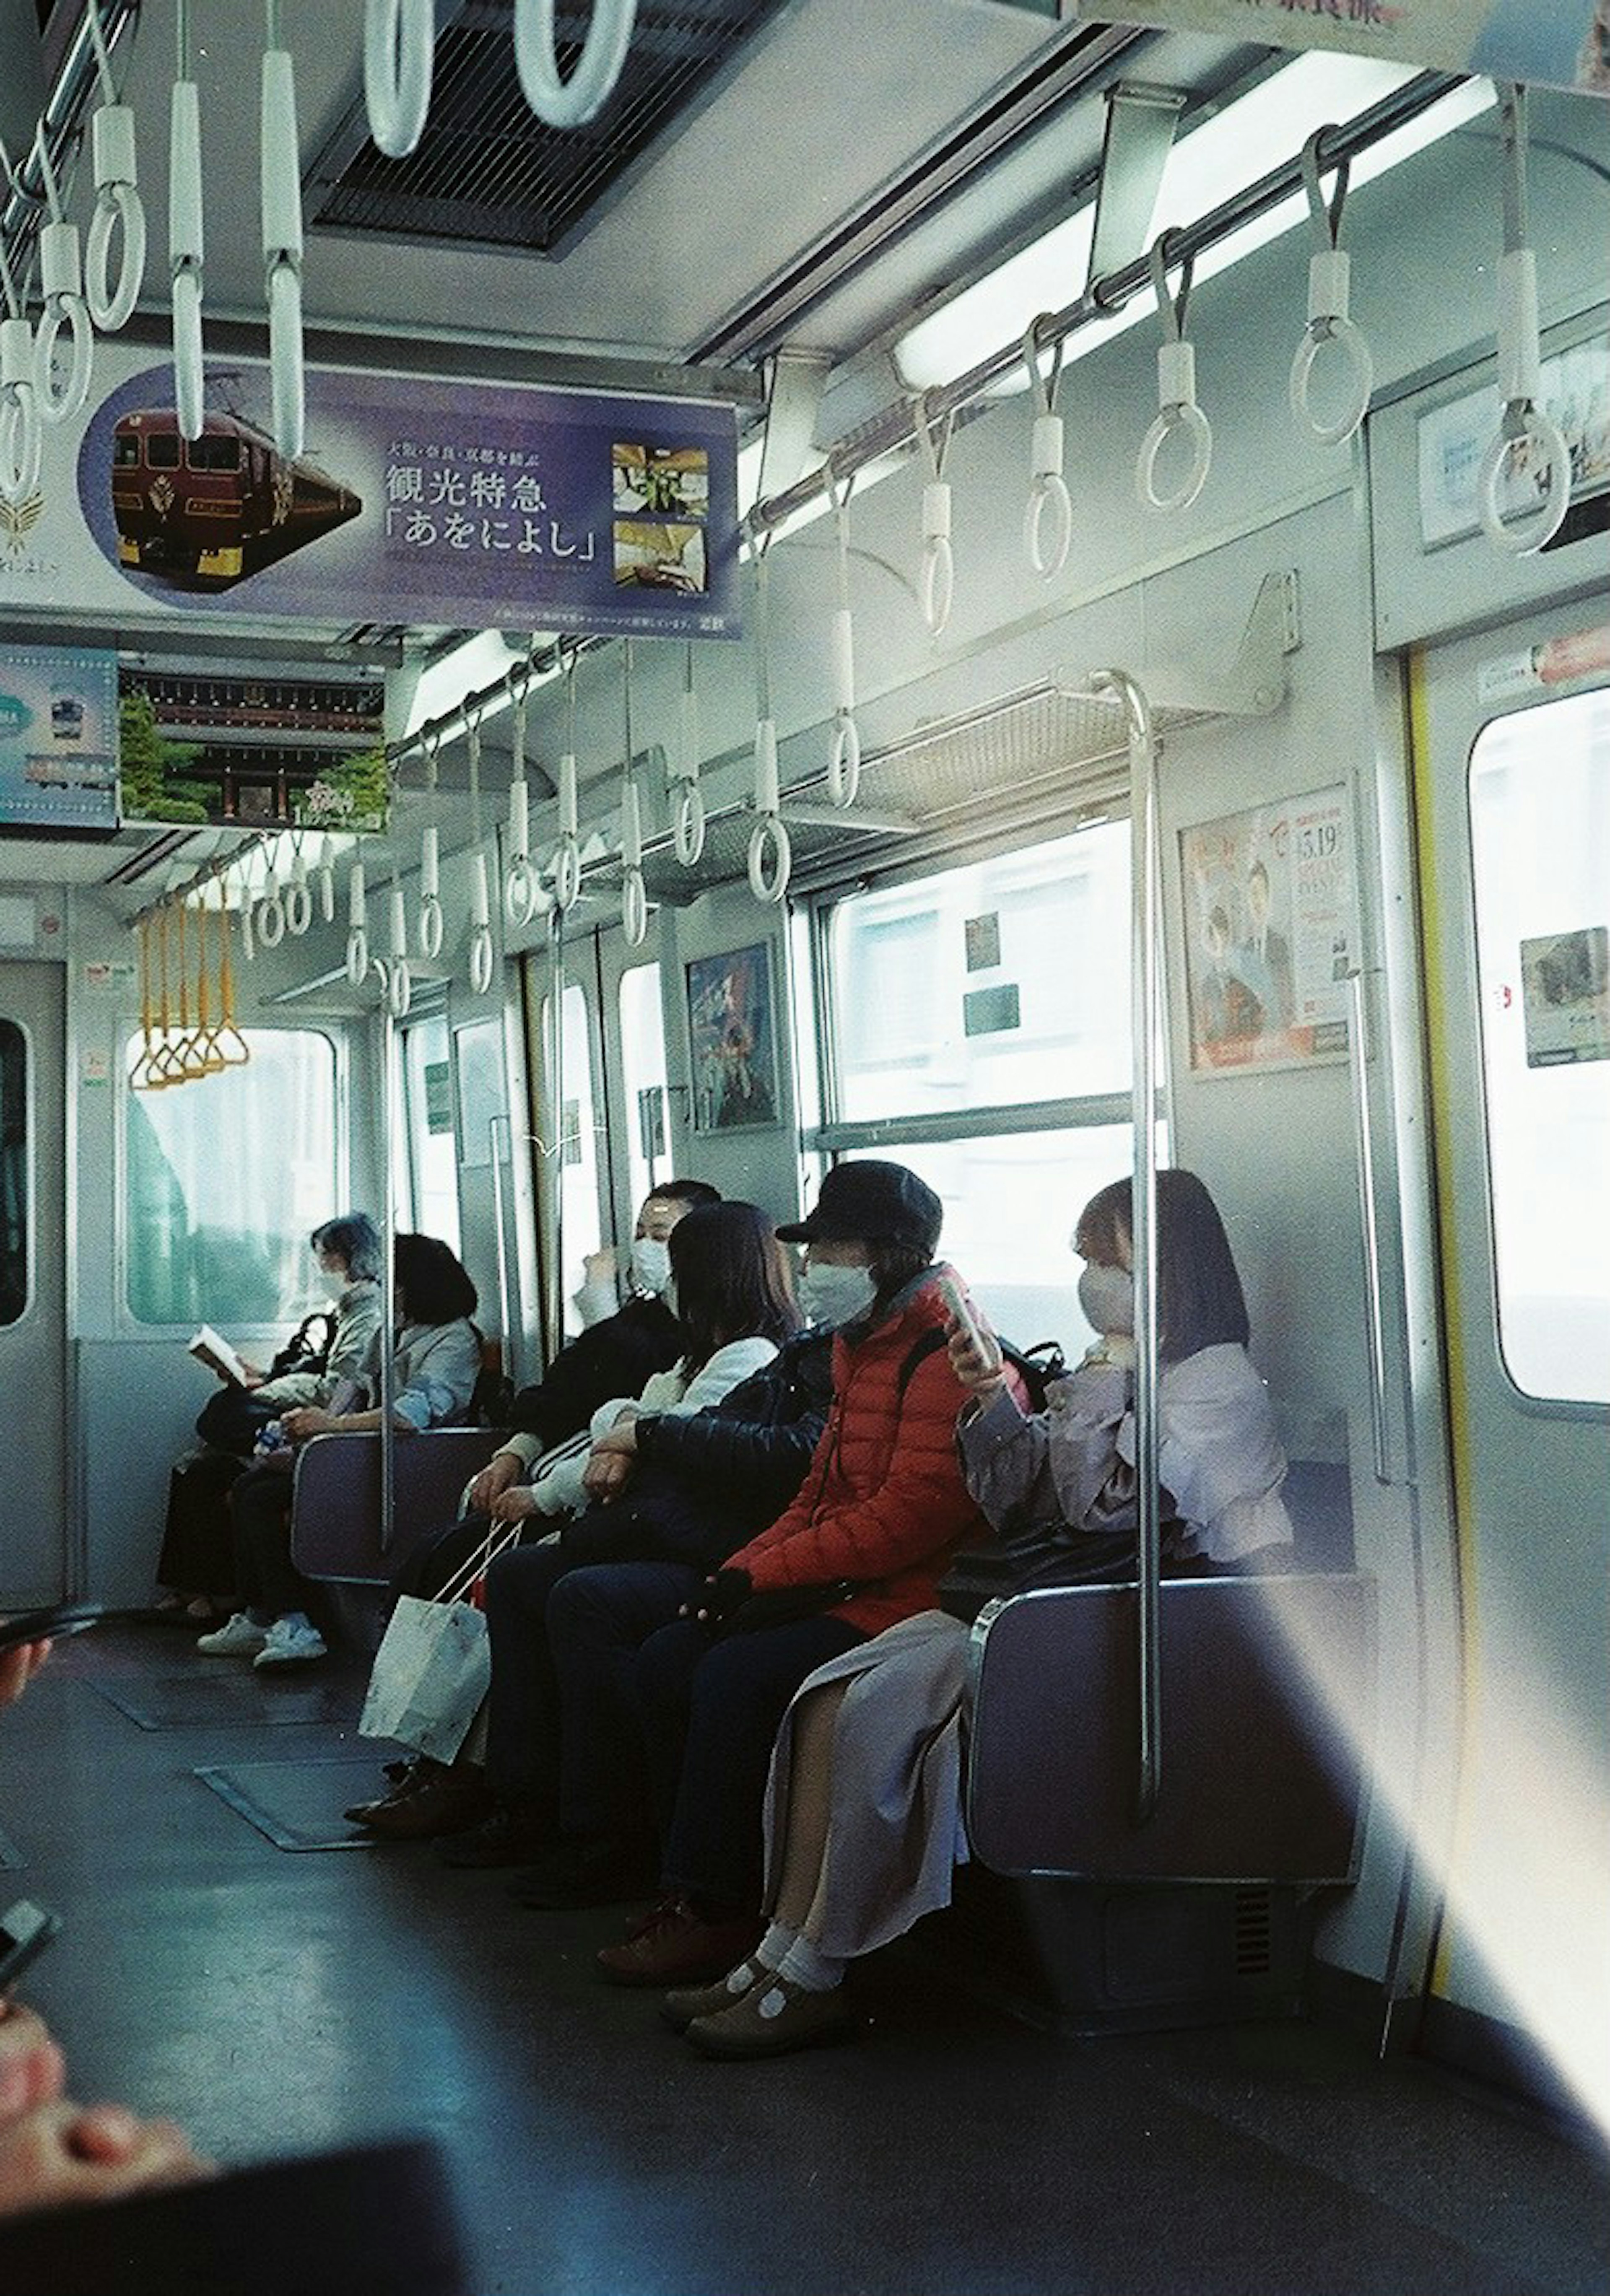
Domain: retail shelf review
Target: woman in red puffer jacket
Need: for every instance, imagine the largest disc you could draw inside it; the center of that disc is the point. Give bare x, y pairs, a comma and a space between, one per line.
881, 1509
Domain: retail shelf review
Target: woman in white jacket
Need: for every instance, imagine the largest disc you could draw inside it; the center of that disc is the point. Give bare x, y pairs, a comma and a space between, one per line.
864, 1808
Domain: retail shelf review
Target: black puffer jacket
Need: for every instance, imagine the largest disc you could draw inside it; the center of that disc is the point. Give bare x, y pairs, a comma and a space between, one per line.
614, 1358
707, 1483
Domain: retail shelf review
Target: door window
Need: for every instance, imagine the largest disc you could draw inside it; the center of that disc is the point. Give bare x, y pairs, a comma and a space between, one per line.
1540, 816
642, 1076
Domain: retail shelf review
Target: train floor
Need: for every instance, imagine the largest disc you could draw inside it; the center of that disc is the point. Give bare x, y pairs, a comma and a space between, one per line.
278, 2001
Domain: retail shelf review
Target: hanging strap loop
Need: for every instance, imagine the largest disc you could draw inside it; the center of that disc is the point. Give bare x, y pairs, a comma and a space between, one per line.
281, 200
844, 759
687, 798
1527, 467
21, 435
1329, 274
62, 282
399, 51
1048, 490
570, 103
936, 584
1178, 413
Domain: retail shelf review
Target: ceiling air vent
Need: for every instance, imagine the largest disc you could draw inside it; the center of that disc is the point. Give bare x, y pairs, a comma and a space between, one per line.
488, 173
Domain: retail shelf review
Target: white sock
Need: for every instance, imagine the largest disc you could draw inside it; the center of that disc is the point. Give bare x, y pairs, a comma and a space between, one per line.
774, 1947
806, 1966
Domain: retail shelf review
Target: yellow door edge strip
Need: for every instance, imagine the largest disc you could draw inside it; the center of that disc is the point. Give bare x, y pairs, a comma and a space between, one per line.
1445, 1115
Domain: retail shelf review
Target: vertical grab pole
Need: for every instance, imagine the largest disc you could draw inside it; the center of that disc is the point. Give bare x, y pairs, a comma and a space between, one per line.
500, 1137
387, 1280
1145, 1008
552, 1198
1357, 1051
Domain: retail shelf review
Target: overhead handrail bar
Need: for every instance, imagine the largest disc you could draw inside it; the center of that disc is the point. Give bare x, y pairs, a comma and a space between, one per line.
844, 759
61, 282
1146, 996
280, 155
117, 200
400, 55
770, 851
1329, 291
900, 423
1525, 426
570, 103
1047, 487
687, 798
1178, 412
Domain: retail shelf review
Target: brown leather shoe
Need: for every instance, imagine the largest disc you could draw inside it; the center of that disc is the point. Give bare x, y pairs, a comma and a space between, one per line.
773, 2019
451, 1802
406, 1779
673, 1945
686, 2002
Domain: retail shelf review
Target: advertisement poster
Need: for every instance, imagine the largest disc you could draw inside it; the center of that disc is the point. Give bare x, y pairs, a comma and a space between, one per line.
1565, 991
302, 751
58, 740
732, 1040
1545, 43
1454, 439
476, 506
1271, 933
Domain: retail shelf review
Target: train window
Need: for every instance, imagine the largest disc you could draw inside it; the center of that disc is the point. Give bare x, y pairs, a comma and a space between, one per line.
126, 451
1001, 982
642, 1075
980, 1033
223, 1238
430, 1174
213, 454
14, 1221
1539, 814
162, 449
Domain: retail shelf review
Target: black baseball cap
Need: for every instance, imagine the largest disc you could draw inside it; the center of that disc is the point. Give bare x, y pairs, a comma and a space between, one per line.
871, 1202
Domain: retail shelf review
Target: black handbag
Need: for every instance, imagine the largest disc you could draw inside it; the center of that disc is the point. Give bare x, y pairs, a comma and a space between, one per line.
1048, 1555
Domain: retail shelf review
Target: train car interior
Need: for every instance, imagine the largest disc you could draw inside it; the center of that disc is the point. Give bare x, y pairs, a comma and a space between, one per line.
594, 592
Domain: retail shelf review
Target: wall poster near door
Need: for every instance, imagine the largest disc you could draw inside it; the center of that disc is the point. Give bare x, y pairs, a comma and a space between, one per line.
1271, 933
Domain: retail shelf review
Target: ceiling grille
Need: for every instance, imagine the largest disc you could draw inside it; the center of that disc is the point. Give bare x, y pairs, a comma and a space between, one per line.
487, 171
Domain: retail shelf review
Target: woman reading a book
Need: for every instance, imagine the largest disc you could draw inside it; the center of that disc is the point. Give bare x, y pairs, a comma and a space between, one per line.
435, 1363
198, 1552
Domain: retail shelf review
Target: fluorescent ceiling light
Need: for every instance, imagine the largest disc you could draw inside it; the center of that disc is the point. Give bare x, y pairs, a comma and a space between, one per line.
1260, 132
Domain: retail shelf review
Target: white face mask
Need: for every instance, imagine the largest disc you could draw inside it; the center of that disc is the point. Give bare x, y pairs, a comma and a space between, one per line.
1107, 1297
334, 1281
651, 1264
832, 1296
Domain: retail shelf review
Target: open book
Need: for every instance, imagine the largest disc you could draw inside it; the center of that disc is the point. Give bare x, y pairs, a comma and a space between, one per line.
211, 1348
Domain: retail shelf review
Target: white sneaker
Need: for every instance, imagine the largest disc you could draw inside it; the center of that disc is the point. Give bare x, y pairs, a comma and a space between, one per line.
289, 1643
242, 1638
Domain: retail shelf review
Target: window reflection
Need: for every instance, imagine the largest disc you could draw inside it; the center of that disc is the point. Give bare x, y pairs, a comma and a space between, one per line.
13, 1172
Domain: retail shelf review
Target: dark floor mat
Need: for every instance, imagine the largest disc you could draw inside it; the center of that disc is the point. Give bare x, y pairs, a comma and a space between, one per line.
179, 1701
298, 1805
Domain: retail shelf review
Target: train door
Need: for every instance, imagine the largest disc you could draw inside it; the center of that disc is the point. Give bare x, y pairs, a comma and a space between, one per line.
1512, 747
33, 1282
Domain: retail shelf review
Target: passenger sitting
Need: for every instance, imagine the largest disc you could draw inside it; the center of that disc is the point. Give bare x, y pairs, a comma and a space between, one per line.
863, 1810
436, 1361
883, 1506
565, 1746
615, 1354
197, 1560
734, 1306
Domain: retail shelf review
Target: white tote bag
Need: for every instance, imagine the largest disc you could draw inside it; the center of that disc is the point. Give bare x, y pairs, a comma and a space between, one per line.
433, 1668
